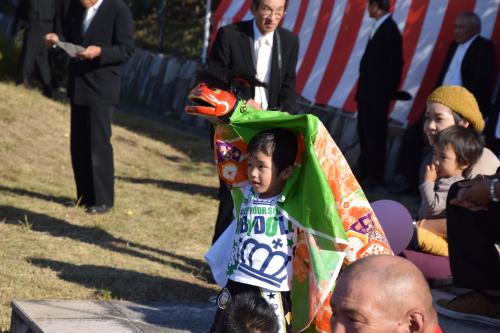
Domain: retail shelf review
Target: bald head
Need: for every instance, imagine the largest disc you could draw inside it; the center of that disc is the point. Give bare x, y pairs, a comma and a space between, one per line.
385, 293
467, 25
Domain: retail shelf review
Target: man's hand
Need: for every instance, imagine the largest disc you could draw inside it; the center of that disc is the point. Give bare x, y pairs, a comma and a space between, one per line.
253, 104
51, 39
91, 52
431, 173
473, 194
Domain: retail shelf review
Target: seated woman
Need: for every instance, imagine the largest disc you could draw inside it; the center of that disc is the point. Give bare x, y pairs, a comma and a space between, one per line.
448, 106
456, 149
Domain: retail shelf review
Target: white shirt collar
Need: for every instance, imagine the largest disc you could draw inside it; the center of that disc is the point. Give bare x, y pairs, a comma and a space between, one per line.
467, 43
90, 13
258, 35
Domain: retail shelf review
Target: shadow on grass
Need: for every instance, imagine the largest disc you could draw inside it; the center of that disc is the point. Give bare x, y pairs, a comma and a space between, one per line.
23, 192
125, 284
183, 317
180, 136
192, 189
92, 235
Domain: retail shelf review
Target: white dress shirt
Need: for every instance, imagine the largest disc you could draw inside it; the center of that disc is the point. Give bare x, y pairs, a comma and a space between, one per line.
89, 15
263, 50
453, 76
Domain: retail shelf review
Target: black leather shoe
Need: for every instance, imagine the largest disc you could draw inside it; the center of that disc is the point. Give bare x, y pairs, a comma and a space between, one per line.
101, 209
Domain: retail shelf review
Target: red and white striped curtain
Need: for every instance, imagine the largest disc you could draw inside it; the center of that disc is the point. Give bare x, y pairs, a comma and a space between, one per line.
333, 35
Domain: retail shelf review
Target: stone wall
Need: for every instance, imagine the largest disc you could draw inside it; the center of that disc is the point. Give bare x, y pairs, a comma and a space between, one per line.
161, 83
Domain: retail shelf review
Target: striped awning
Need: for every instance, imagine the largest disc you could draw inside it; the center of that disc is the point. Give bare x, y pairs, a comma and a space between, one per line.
333, 35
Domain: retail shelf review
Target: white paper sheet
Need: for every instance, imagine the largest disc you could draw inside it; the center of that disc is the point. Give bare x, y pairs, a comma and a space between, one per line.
71, 49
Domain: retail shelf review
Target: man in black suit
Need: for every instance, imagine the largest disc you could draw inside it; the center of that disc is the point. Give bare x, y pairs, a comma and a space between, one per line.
105, 29
261, 47
38, 16
470, 61
379, 77
235, 47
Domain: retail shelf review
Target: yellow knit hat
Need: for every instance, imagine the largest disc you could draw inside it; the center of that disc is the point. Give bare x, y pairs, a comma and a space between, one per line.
461, 101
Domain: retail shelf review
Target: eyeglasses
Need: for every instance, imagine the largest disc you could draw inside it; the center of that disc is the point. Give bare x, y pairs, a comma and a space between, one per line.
268, 12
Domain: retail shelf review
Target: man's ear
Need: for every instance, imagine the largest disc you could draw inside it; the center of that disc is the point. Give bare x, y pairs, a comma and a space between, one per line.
253, 9
415, 321
287, 172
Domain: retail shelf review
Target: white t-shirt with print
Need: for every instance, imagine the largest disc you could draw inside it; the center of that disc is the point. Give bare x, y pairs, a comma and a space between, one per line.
263, 244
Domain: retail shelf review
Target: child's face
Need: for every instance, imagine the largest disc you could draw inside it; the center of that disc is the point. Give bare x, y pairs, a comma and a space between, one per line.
446, 163
264, 176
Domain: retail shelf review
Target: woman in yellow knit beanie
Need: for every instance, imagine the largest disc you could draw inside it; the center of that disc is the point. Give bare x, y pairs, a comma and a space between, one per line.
455, 105
448, 106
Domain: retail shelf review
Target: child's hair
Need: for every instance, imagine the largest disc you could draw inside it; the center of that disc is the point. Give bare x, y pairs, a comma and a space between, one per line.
467, 144
249, 313
279, 143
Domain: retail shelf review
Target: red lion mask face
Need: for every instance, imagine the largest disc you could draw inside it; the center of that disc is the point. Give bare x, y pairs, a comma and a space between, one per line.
210, 102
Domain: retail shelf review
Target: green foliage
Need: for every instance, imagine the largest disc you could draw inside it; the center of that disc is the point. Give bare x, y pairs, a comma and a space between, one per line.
143, 8
183, 25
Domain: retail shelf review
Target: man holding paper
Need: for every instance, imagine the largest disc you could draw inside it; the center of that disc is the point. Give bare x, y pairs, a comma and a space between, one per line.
104, 28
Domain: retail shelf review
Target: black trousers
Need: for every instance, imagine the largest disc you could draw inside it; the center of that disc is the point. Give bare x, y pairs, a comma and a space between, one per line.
92, 154
372, 133
474, 260
34, 56
412, 152
225, 213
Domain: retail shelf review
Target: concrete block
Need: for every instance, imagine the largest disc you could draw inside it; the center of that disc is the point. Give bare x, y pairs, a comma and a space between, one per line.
171, 71
70, 309
153, 90
18, 325
188, 69
110, 317
185, 317
156, 64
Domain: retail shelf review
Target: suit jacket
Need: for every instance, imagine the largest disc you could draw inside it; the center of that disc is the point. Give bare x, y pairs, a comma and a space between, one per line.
36, 10
34, 13
62, 7
233, 48
381, 65
477, 70
98, 81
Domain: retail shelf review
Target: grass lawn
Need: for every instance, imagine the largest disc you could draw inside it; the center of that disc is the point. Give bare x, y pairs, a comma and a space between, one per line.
150, 247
